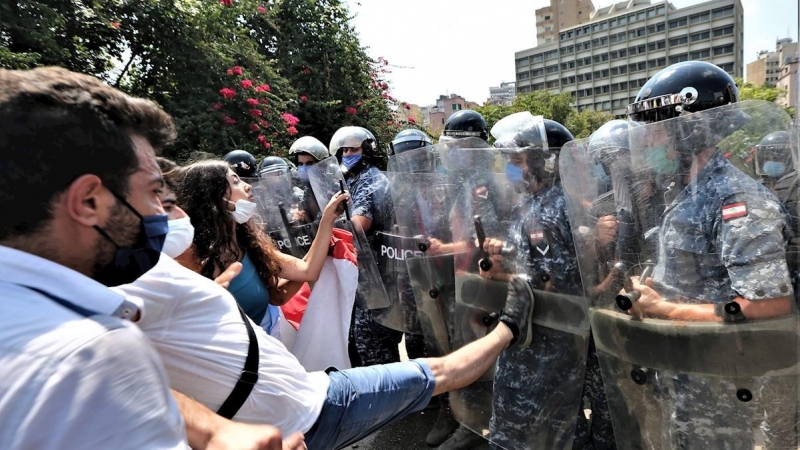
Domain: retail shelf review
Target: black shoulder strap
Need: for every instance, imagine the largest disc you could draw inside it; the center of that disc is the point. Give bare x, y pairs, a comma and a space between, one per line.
247, 379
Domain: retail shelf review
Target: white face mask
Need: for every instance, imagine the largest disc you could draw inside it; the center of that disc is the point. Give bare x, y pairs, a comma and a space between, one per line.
179, 238
244, 210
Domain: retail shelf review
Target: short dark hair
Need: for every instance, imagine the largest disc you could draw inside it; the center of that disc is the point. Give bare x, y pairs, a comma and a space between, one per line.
57, 125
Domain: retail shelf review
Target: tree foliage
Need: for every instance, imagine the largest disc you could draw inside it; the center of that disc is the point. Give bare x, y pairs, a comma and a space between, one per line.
180, 53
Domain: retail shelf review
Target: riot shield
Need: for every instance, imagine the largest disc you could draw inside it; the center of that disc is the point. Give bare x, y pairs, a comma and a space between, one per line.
683, 365
326, 179
283, 209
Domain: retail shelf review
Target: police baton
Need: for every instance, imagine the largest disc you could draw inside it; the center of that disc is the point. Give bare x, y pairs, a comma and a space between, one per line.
346, 209
625, 301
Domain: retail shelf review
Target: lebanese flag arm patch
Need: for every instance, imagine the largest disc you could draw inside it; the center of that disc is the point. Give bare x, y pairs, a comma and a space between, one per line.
734, 211
536, 236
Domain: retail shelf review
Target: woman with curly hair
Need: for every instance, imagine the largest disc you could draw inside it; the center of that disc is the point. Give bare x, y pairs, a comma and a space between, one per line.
221, 207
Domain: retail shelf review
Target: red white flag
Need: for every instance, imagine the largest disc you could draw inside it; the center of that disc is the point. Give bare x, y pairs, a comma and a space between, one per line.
321, 316
734, 210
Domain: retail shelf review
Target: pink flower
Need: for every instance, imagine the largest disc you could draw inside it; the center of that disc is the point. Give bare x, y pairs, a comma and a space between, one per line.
303, 98
254, 128
263, 123
237, 70
412, 120
359, 104
230, 71
226, 2
290, 119
407, 106
252, 101
306, 71
753, 150
255, 112
263, 88
115, 25
229, 121
265, 101
727, 154
384, 86
228, 93
246, 84
350, 110
291, 130
749, 159
263, 141
216, 106
261, 9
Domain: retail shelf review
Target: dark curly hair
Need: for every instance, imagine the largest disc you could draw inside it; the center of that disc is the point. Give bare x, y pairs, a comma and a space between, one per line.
201, 193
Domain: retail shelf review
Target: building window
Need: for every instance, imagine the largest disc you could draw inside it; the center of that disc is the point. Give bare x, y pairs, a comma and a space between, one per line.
588, 77
553, 54
523, 75
612, 23
537, 58
724, 12
561, 13
727, 67
642, 49
562, 35
678, 41
456, 106
552, 69
651, 13
700, 18
522, 61
613, 38
537, 72
656, 45
547, 17
677, 23
569, 34
656, 28
640, 32
660, 10
724, 50
723, 31
622, 20
552, 84
678, 58
548, 29
702, 36
700, 54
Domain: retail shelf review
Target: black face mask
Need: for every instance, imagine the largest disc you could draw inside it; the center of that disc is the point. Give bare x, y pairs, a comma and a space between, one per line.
132, 262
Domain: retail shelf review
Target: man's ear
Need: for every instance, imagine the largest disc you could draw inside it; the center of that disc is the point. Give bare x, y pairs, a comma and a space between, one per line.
87, 201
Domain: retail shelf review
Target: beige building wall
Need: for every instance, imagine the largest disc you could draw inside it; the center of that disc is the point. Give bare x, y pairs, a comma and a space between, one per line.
788, 82
603, 63
561, 14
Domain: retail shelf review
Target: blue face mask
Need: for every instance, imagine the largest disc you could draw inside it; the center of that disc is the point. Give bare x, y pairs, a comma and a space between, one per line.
351, 161
515, 174
302, 171
773, 169
132, 262
657, 159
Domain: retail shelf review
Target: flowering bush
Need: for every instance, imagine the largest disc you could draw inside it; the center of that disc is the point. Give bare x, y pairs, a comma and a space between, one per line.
255, 111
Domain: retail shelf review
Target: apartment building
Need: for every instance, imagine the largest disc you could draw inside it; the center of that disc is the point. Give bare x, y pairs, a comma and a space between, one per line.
560, 15
603, 63
503, 94
767, 69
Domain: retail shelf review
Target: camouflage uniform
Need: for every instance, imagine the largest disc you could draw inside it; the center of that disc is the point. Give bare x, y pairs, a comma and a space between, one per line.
371, 198
704, 258
786, 189
537, 389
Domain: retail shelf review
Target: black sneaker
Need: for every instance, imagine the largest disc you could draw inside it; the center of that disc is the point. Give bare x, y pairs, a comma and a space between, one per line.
445, 425
518, 311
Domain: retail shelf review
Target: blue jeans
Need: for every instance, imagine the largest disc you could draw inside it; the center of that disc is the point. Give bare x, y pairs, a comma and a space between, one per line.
364, 399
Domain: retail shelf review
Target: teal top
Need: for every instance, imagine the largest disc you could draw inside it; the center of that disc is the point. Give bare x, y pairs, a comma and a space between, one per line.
251, 294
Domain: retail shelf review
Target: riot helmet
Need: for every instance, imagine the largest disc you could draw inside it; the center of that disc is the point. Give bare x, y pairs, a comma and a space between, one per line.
409, 139
353, 139
609, 141
465, 123
273, 165
685, 87
774, 155
543, 161
309, 145
243, 163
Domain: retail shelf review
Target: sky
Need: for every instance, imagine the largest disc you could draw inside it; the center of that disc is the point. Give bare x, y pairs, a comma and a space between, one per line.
463, 47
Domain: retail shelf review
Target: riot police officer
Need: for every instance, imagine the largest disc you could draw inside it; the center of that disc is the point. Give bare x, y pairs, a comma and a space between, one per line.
306, 152
273, 165
465, 124
408, 140
720, 258
372, 211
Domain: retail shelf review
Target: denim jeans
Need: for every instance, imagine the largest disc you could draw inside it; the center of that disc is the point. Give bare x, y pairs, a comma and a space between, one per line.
364, 399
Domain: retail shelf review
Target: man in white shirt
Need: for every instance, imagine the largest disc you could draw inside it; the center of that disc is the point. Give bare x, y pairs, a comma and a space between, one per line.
198, 330
80, 211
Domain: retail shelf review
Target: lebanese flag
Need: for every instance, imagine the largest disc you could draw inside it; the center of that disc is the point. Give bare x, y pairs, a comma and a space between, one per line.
318, 321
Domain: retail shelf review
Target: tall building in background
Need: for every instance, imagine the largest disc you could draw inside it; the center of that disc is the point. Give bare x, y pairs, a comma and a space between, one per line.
604, 62
767, 69
503, 94
560, 15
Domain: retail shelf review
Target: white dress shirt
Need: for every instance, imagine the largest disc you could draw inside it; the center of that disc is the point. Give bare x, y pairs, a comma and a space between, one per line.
72, 382
197, 330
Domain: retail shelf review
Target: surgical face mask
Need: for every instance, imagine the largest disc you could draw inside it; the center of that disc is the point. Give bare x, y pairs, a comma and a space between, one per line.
350, 161
133, 261
773, 169
302, 172
179, 238
244, 210
514, 173
657, 159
